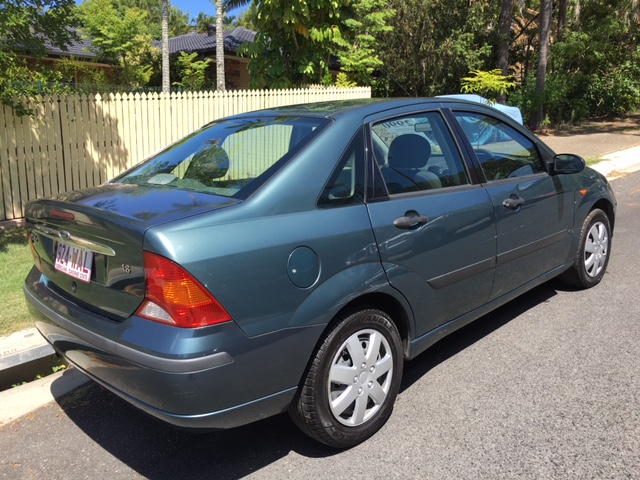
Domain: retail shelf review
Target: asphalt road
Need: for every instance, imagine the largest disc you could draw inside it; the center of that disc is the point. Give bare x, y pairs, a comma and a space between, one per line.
545, 387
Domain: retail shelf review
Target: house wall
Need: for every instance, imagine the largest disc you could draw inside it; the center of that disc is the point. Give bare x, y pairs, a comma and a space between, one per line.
235, 73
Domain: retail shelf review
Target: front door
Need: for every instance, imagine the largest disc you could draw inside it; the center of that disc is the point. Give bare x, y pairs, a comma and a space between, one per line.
533, 211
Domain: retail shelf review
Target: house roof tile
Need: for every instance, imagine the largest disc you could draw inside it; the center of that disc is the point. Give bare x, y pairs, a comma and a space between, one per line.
80, 49
204, 43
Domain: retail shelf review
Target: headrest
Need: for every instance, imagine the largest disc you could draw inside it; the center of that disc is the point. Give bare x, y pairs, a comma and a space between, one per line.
409, 151
209, 163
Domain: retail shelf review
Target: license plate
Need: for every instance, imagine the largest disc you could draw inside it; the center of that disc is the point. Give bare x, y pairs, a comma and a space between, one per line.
74, 261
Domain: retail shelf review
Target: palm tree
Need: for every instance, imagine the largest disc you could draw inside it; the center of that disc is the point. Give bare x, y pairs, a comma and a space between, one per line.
166, 81
220, 78
221, 6
201, 21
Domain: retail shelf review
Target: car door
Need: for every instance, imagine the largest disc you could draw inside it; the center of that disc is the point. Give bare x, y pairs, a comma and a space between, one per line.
533, 210
434, 228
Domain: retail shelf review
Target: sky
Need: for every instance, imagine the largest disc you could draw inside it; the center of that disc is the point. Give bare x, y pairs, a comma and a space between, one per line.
194, 7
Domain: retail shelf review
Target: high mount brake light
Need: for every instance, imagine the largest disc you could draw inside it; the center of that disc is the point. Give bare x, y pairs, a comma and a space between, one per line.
174, 297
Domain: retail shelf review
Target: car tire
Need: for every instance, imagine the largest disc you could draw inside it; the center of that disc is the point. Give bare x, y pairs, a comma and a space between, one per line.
352, 381
594, 250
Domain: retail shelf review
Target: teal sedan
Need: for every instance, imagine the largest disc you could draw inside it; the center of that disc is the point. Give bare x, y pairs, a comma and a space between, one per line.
293, 259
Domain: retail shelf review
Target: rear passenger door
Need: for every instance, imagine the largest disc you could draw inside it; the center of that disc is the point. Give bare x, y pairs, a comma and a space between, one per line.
533, 210
434, 228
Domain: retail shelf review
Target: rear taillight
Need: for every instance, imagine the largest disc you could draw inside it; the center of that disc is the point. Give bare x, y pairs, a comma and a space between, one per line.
174, 297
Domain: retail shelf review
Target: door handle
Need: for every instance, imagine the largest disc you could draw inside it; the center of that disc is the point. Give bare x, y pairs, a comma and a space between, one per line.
513, 202
410, 221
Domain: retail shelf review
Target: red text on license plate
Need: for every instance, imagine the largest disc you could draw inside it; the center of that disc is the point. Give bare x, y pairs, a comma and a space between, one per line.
74, 261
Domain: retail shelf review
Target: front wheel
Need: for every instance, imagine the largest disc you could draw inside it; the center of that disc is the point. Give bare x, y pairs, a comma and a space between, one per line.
352, 381
592, 257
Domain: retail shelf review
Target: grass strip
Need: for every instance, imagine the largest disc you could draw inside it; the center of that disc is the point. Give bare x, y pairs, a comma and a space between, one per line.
15, 263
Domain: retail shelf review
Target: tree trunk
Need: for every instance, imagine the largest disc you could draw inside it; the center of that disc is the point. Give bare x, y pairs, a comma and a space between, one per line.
546, 9
220, 79
166, 81
504, 44
562, 18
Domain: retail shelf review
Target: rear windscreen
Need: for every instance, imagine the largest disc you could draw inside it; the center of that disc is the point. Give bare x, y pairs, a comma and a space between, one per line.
225, 157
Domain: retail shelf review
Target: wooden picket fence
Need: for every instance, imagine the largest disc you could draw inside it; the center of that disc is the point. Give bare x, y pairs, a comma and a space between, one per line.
80, 141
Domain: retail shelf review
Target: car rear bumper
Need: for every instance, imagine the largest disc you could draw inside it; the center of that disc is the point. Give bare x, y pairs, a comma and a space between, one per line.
209, 378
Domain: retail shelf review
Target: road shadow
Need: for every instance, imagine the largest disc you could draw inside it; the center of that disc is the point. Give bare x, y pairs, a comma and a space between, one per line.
458, 341
156, 450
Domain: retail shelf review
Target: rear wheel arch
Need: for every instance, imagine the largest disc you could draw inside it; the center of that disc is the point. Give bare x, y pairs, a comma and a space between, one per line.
389, 305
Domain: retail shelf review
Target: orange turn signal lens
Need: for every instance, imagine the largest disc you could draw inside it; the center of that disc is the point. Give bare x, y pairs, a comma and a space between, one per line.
174, 297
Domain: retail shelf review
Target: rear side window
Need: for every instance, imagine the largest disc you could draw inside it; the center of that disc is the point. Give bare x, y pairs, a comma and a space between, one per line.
502, 151
225, 157
346, 184
417, 153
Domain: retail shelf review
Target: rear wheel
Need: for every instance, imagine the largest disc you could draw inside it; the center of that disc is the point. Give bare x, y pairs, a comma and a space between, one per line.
352, 382
592, 257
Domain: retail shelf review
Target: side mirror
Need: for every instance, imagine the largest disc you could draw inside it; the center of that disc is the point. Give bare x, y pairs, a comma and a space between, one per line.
568, 163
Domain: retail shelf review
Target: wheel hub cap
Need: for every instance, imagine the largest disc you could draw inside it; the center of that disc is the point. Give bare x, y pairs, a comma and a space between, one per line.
360, 377
596, 249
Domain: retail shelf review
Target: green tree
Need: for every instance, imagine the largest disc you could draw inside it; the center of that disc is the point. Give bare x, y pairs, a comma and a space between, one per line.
593, 65
294, 42
192, 71
199, 23
434, 43
24, 26
121, 38
359, 44
178, 20
490, 85
249, 18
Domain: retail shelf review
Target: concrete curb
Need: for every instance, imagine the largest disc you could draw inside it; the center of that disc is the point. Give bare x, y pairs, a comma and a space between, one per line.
19, 401
23, 347
28, 345
616, 163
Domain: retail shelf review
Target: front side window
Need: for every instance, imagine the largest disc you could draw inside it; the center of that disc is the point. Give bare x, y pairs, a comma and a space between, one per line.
503, 152
225, 157
417, 153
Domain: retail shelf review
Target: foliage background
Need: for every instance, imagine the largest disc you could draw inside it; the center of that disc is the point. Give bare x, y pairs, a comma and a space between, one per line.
399, 47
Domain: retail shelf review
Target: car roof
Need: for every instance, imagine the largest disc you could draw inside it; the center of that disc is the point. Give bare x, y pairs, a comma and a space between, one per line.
337, 107
360, 107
